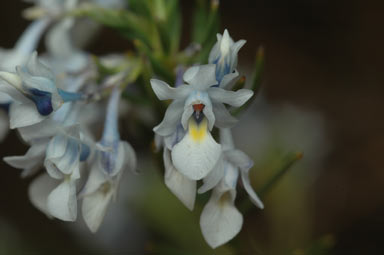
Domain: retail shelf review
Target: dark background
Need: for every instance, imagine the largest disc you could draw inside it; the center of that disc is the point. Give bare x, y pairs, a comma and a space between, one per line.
324, 56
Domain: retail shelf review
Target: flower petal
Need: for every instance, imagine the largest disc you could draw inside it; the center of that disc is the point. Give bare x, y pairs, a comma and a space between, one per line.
214, 177
94, 208
201, 77
223, 118
220, 221
228, 79
241, 160
171, 119
234, 98
182, 187
31, 161
43, 129
39, 190
197, 153
252, 194
22, 115
164, 92
62, 202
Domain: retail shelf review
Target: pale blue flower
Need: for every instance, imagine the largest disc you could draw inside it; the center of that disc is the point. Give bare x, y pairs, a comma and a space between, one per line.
112, 158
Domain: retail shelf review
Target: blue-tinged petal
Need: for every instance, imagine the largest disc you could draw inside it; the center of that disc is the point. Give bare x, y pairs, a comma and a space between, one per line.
31, 81
70, 96
42, 100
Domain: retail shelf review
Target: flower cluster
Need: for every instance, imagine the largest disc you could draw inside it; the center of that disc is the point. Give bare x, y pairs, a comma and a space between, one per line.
191, 153
66, 105
50, 104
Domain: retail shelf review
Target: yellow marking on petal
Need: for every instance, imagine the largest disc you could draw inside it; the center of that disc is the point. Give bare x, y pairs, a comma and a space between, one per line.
198, 132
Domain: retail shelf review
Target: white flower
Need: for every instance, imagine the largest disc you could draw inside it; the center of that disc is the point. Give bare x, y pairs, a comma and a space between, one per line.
198, 107
224, 55
108, 165
220, 220
34, 92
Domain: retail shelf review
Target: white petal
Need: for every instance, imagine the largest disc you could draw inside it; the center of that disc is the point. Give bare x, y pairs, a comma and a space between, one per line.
182, 187
220, 220
22, 115
171, 119
43, 129
39, 190
95, 180
223, 118
187, 113
201, 77
214, 177
31, 161
247, 186
234, 98
228, 79
164, 92
197, 153
239, 159
62, 201
94, 208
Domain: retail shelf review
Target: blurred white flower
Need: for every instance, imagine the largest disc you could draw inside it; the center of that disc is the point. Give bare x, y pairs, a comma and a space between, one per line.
112, 158
34, 92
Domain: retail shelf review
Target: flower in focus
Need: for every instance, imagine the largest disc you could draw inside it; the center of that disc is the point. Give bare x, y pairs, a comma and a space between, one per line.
197, 107
220, 220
